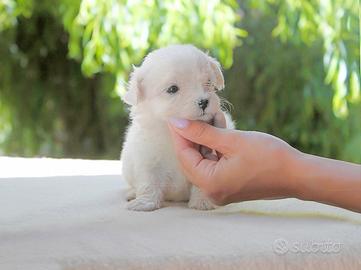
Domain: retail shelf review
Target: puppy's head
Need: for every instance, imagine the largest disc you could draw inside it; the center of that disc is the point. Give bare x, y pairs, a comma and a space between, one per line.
176, 81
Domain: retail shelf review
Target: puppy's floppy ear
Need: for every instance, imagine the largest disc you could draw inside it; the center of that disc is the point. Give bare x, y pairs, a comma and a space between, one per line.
134, 93
216, 68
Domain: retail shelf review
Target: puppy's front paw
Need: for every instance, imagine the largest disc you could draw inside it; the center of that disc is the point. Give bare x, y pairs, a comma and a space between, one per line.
143, 204
200, 203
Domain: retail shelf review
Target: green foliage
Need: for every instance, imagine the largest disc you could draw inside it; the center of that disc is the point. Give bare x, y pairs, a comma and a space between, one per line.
278, 87
336, 23
48, 106
10, 10
110, 36
64, 64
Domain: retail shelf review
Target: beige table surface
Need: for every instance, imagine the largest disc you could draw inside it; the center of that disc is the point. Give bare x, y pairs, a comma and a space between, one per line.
69, 214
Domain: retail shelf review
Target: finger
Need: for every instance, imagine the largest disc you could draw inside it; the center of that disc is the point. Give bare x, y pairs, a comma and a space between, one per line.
204, 134
180, 142
198, 169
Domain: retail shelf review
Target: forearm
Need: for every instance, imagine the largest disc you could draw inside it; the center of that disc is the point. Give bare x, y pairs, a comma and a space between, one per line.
326, 180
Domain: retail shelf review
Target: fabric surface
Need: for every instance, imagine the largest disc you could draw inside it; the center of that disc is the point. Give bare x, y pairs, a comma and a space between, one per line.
69, 214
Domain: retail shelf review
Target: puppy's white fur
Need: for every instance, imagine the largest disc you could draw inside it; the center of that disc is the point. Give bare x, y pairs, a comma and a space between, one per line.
149, 162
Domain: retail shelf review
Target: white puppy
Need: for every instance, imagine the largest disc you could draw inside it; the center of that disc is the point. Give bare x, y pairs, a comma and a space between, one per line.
176, 81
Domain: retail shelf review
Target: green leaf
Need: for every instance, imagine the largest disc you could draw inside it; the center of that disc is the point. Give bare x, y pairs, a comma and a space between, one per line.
332, 69
354, 96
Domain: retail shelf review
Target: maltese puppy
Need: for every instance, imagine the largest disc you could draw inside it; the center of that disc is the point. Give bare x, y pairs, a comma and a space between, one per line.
177, 81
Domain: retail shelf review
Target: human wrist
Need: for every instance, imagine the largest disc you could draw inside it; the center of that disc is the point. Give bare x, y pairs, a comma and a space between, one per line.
304, 171
291, 173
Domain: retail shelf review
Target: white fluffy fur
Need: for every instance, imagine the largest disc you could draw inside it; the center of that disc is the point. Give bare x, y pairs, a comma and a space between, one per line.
149, 162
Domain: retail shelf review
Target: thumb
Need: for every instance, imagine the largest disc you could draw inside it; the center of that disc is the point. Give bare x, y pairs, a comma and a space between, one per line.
203, 134
197, 169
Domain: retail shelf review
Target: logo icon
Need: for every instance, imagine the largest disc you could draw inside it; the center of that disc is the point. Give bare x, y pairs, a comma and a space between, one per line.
280, 246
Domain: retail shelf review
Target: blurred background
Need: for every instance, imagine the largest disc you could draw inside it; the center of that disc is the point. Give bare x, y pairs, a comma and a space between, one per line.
292, 68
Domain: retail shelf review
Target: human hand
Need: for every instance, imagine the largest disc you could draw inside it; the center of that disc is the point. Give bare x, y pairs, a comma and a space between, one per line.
251, 165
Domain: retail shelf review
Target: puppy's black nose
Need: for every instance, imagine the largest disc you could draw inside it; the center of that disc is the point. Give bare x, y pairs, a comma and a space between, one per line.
203, 103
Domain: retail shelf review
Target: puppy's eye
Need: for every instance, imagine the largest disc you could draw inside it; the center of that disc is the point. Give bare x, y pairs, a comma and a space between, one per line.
173, 89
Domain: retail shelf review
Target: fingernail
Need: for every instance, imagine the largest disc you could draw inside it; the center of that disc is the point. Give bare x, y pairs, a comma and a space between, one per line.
178, 122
